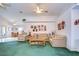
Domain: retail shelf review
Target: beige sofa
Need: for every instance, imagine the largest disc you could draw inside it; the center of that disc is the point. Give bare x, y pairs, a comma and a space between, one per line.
57, 41
39, 39
40, 36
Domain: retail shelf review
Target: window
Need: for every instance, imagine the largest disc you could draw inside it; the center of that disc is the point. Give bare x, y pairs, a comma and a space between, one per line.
20, 29
2, 31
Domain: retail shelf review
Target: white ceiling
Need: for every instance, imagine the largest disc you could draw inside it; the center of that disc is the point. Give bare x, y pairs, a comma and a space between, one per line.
13, 11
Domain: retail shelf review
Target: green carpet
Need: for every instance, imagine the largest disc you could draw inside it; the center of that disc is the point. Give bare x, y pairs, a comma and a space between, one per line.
24, 49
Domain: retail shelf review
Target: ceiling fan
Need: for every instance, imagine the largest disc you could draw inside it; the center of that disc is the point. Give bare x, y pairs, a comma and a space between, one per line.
39, 10
4, 5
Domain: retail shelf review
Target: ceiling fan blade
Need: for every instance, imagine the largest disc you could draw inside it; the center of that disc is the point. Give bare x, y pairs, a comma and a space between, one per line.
6, 4
46, 11
2, 8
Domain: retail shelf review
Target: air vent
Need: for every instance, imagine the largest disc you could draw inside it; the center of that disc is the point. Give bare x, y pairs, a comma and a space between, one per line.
23, 20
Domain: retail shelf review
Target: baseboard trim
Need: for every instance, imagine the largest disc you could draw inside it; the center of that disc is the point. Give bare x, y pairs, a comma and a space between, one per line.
71, 49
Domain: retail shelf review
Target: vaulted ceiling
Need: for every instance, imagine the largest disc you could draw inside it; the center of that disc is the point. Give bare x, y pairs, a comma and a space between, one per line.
17, 10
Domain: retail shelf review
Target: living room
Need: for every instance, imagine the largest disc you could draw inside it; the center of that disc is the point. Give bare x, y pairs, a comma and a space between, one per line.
52, 27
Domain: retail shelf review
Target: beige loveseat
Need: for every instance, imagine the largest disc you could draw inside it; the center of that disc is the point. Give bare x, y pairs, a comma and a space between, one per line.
57, 41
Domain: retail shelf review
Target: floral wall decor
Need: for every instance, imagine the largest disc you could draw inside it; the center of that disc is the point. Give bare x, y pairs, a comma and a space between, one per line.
44, 28
59, 28
61, 25
36, 28
76, 22
31, 26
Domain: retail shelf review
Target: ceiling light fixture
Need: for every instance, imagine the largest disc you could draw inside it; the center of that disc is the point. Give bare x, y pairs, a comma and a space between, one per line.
14, 24
20, 11
39, 9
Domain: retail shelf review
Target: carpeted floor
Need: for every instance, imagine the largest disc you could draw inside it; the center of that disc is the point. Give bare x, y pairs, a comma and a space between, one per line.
24, 49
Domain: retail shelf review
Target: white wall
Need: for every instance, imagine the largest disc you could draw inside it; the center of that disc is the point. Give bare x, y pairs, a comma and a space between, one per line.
75, 29
66, 16
71, 31
49, 21
50, 27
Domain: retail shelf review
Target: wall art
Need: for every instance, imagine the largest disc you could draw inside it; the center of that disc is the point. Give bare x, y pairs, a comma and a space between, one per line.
36, 28
76, 22
61, 25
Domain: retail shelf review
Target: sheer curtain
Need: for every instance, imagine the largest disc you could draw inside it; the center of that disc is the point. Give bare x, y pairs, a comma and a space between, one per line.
2, 33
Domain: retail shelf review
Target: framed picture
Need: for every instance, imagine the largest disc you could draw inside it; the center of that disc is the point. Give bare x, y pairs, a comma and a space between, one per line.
59, 28
31, 26
33, 30
63, 22
44, 28
36, 30
62, 26
76, 22
41, 25
34, 27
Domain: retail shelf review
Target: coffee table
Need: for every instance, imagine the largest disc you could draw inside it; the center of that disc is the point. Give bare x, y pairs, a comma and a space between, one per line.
37, 41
